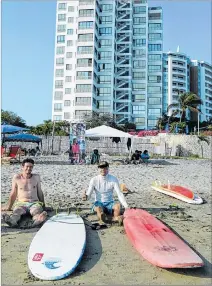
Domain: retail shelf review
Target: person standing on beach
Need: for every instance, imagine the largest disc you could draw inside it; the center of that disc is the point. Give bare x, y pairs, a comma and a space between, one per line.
104, 185
26, 188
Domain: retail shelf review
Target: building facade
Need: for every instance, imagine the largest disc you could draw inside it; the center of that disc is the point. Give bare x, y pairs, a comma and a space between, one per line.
108, 59
176, 78
201, 84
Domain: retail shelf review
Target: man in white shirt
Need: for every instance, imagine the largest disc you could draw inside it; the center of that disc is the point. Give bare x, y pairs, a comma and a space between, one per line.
103, 186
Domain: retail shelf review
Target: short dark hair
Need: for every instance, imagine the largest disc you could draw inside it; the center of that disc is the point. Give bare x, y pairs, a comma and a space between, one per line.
28, 160
103, 164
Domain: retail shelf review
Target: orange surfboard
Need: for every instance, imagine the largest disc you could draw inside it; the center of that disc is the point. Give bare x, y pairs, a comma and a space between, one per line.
157, 243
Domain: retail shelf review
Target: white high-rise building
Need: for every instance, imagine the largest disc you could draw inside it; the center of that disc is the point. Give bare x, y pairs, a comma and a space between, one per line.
108, 59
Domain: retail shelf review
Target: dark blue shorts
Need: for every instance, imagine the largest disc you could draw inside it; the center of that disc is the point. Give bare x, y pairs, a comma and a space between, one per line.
107, 207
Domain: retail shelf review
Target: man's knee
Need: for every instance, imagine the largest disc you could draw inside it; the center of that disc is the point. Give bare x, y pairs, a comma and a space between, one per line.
19, 211
36, 210
98, 209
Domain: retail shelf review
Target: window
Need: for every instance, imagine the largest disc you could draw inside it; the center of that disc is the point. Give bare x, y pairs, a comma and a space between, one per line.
70, 8
70, 19
105, 43
58, 107
154, 68
60, 39
61, 28
58, 83
59, 61
140, 97
154, 89
69, 55
58, 95
68, 67
68, 79
86, 13
84, 75
60, 50
82, 113
152, 122
85, 50
104, 78
67, 115
62, 6
105, 31
139, 53
69, 43
85, 37
139, 64
84, 62
154, 78
139, 75
67, 103
61, 17
154, 57
67, 90
59, 72
105, 19
83, 101
105, 55
154, 47
139, 86
57, 117
103, 103
107, 8
139, 42
104, 91
139, 9
154, 100
139, 20
156, 36
86, 25
155, 26
155, 16
140, 120
70, 31
154, 111
83, 88
139, 109
139, 31
103, 67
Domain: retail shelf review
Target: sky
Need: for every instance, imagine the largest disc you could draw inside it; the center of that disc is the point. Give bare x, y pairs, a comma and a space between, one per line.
28, 38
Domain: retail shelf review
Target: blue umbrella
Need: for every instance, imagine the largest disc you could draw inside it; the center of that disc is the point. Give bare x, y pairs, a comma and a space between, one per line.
23, 138
11, 129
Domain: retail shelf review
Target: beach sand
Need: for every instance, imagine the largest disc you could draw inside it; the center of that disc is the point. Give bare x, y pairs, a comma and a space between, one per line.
109, 257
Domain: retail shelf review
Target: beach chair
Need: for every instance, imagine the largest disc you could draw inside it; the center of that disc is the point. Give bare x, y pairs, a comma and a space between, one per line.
14, 154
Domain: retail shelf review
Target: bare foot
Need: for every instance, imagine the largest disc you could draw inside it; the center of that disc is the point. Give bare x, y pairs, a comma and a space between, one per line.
118, 219
8, 220
40, 219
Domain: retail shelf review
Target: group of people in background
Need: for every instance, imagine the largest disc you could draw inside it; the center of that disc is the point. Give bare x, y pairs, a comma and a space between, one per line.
138, 157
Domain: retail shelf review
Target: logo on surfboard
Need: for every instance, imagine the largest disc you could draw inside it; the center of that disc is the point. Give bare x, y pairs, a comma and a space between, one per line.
37, 257
52, 263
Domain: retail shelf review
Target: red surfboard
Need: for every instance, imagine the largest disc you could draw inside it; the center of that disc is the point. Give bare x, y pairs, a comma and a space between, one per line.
179, 190
157, 243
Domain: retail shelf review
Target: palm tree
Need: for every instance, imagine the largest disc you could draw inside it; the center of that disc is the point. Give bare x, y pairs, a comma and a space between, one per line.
187, 100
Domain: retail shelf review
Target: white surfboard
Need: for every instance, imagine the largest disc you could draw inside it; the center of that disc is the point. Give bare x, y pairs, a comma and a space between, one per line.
57, 247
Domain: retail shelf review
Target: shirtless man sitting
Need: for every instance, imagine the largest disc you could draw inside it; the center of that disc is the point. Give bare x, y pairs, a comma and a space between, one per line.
104, 185
26, 188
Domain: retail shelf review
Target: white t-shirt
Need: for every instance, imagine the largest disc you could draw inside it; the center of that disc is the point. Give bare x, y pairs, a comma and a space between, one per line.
103, 187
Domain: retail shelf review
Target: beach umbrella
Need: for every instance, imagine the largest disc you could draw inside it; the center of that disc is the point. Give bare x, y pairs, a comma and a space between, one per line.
5, 128
23, 138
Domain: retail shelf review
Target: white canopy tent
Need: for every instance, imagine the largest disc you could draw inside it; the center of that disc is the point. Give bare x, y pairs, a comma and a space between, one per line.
104, 131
